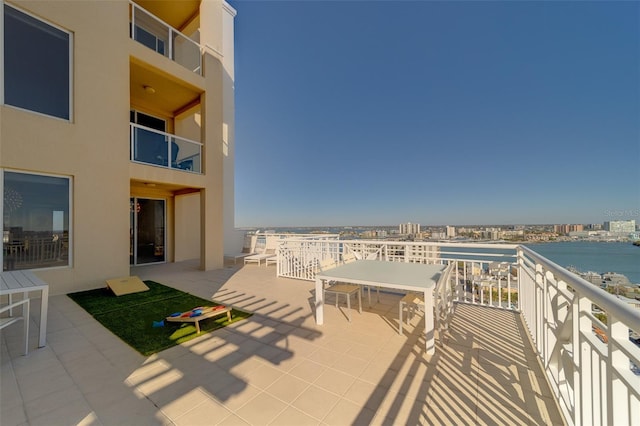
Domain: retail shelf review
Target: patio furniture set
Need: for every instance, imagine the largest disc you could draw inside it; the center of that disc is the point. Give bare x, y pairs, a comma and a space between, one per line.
418, 280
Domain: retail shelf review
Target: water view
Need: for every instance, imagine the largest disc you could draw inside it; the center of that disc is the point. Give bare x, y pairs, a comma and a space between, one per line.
623, 258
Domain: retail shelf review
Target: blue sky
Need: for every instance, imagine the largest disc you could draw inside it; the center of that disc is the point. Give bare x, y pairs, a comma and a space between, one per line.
385, 112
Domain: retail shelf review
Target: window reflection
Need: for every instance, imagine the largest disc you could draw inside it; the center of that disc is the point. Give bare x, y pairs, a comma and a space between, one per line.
35, 221
35, 47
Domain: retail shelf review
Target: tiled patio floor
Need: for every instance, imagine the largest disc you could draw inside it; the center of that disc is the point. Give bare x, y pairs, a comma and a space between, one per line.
276, 368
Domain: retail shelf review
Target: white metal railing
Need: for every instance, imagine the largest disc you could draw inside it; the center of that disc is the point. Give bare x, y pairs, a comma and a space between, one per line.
300, 257
157, 35
35, 252
158, 148
593, 368
261, 240
443, 294
486, 274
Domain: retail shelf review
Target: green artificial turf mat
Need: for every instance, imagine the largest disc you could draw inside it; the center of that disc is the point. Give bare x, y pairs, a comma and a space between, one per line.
131, 317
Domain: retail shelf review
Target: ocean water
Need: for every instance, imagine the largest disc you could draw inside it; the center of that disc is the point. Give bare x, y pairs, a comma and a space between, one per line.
623, 258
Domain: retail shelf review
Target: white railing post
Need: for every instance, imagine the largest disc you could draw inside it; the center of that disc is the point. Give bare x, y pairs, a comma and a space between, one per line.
587, 367
133, 20
617, 362
520, 269
578, 362
132, 154
537, 301
546, 316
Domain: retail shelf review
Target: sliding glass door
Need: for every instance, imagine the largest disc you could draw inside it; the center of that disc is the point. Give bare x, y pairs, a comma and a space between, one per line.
147, 231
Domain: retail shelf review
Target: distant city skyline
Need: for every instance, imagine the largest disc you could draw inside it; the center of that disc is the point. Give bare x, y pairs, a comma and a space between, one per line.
448, 113
399, 226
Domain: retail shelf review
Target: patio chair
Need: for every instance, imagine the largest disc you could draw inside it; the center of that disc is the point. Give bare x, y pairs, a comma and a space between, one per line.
443, 302
414, 302
273, 260
351, 257
348, 258
235, 257
11, 319
326, 264
267, 253
348, 290
338, 288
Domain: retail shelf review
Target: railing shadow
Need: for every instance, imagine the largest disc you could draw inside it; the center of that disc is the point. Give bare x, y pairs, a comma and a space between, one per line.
220, 364
208, 364
482, 374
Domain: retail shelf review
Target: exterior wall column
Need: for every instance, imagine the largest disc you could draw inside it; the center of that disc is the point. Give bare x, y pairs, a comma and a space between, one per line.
233, 239
212, 197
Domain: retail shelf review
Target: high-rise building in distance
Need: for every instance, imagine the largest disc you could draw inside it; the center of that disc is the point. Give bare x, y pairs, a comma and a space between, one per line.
451, 231
565, 229
620, 226
409, 228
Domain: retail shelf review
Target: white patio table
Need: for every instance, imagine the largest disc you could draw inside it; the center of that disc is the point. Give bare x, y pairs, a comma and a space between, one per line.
16, 282
397, 275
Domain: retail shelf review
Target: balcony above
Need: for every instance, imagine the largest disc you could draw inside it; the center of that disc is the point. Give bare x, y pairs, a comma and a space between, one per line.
155, 27
151, 89
178, 14
155, 148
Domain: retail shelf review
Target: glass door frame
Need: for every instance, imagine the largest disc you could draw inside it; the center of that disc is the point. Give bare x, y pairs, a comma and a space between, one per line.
133, 230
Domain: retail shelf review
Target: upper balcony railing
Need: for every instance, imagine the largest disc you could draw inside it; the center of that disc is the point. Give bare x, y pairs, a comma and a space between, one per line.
164, 39
162, 149
262, 240
592, 365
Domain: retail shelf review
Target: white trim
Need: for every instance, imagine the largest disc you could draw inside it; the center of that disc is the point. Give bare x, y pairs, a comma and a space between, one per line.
229, 9
71, 74
41, 114
214, 50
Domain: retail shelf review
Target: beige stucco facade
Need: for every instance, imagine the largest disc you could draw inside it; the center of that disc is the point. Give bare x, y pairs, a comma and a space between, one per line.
109, 73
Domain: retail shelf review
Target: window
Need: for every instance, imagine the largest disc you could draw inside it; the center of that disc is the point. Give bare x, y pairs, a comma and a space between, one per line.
35, 210
37, 70
148, 146
148, 120
150, 31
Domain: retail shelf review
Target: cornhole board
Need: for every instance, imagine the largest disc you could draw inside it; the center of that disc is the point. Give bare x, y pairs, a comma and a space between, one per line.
208, 312
126, 285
